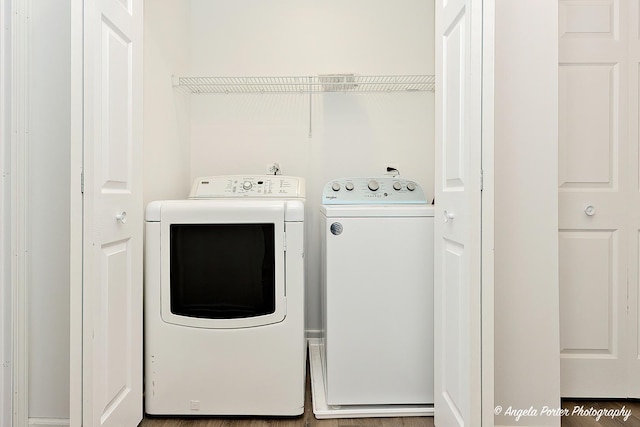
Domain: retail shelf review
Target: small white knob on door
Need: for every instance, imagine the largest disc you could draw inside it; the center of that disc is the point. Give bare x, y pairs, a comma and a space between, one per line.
448, 216
122, 217
590, 210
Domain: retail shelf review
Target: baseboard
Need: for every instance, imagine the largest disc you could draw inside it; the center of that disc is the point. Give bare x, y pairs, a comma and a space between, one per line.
520, 425
49, 422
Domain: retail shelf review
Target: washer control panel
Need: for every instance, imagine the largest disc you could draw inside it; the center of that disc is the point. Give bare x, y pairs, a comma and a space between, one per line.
367, 190
211, 187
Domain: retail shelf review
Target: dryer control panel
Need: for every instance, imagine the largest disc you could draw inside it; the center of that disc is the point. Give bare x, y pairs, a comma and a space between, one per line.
377, 190
212, 187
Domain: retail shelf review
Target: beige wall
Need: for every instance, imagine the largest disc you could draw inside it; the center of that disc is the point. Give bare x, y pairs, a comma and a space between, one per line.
47, 156
166, 130
527, 362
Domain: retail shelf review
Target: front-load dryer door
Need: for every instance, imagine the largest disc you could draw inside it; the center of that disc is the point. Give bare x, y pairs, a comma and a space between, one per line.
222, 263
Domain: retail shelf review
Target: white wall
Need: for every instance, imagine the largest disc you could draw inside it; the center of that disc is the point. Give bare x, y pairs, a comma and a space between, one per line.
166, 125
48, 207
527, 362
292, 37
189, 136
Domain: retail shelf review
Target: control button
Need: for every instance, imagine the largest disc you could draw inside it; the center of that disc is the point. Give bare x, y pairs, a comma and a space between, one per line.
247, 185
349, 186
411, 186
397, 186
373, 185
335, 186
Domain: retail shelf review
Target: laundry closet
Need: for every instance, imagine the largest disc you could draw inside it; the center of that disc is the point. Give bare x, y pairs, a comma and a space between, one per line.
318, 135
322, 135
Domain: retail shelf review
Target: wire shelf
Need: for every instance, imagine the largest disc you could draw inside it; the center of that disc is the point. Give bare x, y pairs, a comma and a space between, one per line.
306, 84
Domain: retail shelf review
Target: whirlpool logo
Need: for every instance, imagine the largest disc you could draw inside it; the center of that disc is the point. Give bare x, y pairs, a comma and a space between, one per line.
336, 229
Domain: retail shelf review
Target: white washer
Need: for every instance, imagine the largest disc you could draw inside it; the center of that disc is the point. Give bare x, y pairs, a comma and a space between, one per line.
377, 262
224, 299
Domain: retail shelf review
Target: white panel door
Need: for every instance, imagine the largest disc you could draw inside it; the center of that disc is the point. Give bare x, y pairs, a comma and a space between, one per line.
598, 195
113, 214
457, 219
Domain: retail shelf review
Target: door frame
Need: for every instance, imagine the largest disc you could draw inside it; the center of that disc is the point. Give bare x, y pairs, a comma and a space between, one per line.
487, 226
17, 210
5, 212
76, 213
15, 51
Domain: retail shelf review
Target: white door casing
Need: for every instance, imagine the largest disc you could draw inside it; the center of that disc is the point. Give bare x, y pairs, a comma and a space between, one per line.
598, 193
633, 268
113, 214
5, 229
457, 264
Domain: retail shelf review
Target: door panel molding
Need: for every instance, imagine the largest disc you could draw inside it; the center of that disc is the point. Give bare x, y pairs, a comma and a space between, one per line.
458, 308
598, 195
107, 214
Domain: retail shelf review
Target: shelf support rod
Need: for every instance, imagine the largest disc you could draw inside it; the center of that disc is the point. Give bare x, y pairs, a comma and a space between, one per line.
310, 107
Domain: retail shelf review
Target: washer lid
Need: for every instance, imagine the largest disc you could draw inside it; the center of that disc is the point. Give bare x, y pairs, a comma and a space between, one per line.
372, 191
234, 186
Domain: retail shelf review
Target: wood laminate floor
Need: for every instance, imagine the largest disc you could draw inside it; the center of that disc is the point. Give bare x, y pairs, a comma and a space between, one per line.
587, 418
308, 420
590, 408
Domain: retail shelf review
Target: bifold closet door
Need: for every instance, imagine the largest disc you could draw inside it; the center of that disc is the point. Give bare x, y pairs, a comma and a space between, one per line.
599, 197
112, 213
457, 270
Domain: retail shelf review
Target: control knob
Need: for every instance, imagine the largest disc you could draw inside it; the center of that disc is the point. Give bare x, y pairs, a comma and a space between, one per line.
397, 186
349, 186
335, 186
247, 185
411, 186
373, 185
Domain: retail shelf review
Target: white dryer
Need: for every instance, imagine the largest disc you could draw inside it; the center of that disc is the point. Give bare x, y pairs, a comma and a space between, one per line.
224, 299
377, 264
